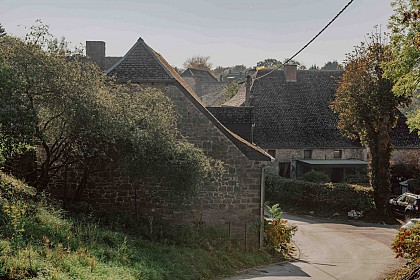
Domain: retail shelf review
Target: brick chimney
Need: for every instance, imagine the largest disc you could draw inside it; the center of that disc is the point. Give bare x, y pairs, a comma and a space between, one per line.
95, 50
290, 71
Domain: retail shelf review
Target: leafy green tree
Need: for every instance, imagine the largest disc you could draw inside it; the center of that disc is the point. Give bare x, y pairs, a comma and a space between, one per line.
367, 110
314, 67
198, 62
404, 69
2, 31
332, 65
15, 126
272, 63
76, 116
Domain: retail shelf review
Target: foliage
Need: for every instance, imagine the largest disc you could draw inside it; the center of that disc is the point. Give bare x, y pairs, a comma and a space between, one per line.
57, 245
404, 68
76, 116
278, 233
198, 62
406, 164
332, 65
367, 110
314, 67
2, 31
316, 177
329, 198
406, 243
272, 63
359, 177
231, 90
220, 70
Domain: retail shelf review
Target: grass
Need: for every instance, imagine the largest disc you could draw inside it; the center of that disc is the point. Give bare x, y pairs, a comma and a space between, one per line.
41, 241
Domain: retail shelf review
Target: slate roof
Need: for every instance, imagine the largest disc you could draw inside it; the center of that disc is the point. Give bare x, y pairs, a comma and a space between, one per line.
142, 64
401, 136
110, 61
237, 119
205, 85
296, 114
199, 75
239, 98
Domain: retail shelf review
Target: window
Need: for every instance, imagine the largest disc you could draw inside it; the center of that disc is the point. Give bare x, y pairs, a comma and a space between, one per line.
284, 169
272, 153
307, 154
338, 154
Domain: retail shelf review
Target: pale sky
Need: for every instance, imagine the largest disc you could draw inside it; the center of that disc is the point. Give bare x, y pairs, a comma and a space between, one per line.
231, 32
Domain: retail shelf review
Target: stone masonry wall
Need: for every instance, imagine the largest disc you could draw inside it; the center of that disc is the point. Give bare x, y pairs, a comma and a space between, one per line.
291, 155
232, 201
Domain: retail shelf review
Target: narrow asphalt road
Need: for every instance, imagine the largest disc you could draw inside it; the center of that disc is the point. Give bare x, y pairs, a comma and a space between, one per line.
333, 250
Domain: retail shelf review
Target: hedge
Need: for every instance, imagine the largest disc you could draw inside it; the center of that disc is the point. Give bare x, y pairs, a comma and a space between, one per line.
328, 197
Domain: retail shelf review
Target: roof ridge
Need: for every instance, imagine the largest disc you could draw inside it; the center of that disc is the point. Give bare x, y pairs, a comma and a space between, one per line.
149, 49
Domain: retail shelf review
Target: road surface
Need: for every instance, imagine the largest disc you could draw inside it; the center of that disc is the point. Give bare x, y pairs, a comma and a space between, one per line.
332, 250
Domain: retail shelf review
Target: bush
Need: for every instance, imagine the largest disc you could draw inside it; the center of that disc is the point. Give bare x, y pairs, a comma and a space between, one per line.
406, 243
327, 197
316, 177
278, 233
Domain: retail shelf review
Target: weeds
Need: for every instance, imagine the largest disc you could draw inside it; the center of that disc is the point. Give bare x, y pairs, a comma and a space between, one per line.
38, 240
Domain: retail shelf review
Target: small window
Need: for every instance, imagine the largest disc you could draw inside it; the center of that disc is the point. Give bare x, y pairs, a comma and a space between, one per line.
284, 169
338, 154
307, 154
272, 153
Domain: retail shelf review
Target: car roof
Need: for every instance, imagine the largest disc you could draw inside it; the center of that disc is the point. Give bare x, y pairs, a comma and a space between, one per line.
412, 195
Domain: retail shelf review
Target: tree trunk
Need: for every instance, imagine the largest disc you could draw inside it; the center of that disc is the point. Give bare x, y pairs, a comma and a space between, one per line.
380, 150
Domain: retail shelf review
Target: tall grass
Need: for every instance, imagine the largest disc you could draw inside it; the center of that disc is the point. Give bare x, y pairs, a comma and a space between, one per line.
54, 244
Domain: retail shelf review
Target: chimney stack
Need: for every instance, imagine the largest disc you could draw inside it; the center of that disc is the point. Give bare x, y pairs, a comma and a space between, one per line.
95, 50
290, 71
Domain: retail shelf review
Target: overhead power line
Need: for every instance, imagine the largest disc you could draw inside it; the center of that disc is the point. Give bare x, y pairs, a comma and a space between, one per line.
316, 36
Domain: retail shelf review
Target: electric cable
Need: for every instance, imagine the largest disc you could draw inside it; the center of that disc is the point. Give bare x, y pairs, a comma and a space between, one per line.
307, 44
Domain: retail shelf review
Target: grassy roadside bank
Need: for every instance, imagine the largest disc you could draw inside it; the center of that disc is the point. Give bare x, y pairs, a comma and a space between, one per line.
41, 241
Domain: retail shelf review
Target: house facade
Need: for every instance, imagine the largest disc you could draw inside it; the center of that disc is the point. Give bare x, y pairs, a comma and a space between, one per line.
293, 122
232, 200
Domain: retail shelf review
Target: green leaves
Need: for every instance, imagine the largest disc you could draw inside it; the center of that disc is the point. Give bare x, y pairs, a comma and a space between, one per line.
404, 68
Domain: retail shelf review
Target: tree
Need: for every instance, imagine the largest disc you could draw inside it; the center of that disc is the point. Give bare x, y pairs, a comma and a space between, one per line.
332, 65
198, 62
75, 115
2, 31
404, 69
272, 63
367, 110
314, 67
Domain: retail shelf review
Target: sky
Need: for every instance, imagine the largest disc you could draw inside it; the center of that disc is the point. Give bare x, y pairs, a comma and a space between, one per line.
230, 32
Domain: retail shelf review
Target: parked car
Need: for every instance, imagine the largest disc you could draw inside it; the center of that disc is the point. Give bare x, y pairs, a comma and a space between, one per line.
406, 205
410, 223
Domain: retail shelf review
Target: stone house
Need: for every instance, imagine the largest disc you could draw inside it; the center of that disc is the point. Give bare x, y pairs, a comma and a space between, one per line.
233, 200
293, 122
205, 85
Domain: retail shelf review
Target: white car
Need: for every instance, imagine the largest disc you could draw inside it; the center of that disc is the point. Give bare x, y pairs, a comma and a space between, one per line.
410, 223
